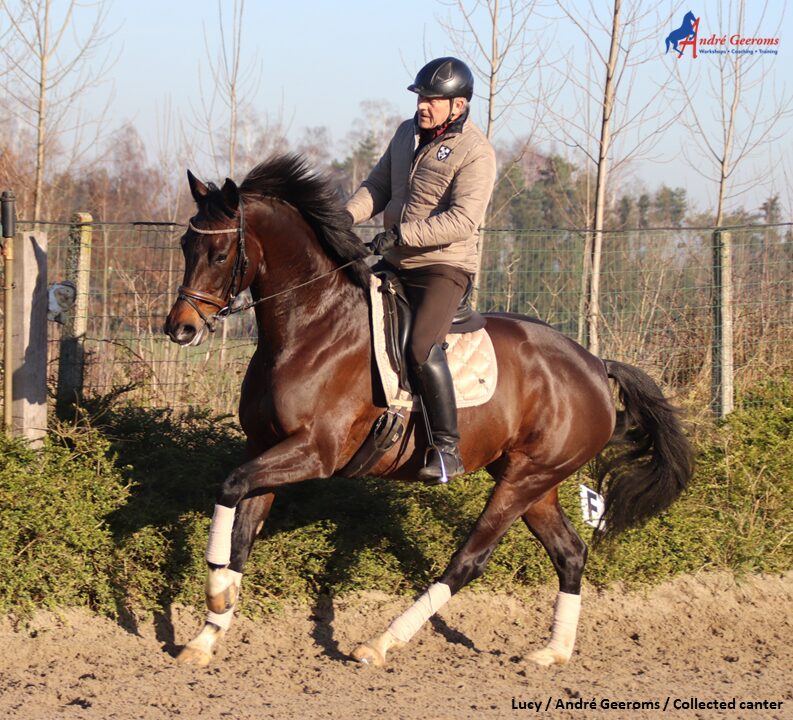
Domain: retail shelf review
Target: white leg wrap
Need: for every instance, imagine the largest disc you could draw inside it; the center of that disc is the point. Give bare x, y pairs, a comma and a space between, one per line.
222, 620
410, 621
219, 545
565, 623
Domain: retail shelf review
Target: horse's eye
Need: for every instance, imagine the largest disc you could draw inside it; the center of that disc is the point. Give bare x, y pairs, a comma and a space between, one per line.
221, 258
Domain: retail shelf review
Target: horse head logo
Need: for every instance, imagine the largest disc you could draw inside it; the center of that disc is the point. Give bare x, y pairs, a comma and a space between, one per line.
685, 35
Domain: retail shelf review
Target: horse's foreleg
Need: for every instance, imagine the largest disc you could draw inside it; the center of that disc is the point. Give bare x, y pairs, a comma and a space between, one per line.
243, 501
546, 520
505, 505
227, 552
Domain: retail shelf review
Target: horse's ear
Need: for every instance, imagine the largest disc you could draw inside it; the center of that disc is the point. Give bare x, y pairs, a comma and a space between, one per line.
197, 189
231, 194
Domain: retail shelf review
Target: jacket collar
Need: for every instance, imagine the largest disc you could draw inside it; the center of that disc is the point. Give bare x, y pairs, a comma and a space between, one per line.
428, 136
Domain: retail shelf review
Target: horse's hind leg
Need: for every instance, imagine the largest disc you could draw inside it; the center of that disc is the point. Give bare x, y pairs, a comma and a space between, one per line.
505, 505
546, 520
224, 580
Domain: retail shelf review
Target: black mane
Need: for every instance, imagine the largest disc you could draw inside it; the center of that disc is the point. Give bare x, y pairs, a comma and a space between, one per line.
288, 178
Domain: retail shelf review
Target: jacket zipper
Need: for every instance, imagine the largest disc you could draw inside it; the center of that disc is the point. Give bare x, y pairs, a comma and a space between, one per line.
413, 166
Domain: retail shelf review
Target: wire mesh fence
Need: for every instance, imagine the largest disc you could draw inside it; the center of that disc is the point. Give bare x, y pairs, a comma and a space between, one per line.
656, 307
657, 297
135, 271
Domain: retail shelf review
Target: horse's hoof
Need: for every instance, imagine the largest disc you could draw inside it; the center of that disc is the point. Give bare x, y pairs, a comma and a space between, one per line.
547, 657
367, 655
193, 656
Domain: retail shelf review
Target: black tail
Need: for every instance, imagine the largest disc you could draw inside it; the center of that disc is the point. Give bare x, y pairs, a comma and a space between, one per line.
648, 461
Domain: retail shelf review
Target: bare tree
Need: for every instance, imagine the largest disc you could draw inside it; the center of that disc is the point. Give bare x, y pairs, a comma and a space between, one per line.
610, 120
230, 81
172, 152
491, 36
743, 120
602, 175
746, 111
47, 75
366, 142
315, 145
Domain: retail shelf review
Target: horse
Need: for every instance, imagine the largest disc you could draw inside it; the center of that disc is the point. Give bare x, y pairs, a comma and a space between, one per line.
310, 396
685, 30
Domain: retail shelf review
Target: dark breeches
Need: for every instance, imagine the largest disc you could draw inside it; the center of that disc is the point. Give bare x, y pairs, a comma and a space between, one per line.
434, 293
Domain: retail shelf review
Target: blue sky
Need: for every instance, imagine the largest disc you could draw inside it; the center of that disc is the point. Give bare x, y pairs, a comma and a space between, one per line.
320, 60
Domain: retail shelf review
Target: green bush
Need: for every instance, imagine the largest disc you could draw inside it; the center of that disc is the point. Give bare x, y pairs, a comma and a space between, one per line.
56, 547
114, 514
738, 512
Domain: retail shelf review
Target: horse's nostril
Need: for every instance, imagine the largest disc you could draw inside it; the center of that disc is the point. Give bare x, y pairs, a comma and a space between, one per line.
186, 333
182, 334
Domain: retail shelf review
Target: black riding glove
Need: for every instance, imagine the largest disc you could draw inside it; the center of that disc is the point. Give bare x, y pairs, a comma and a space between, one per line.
384, 241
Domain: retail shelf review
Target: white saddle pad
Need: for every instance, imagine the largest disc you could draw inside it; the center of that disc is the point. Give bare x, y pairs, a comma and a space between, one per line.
472, 361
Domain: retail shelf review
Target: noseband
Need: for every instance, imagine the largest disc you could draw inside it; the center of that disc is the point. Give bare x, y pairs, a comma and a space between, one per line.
191, 295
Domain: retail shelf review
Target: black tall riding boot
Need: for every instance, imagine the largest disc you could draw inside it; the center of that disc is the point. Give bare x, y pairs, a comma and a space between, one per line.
436, 389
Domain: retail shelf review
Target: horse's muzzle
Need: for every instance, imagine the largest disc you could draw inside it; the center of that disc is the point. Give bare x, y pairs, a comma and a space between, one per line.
182, 331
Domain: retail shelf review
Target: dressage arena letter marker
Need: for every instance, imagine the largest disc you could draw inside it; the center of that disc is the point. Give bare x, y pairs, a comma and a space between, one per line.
219, 545
410, 621
592, 506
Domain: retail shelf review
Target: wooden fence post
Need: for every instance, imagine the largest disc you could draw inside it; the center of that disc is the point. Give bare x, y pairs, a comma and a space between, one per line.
722, 387
29, 332
71, 366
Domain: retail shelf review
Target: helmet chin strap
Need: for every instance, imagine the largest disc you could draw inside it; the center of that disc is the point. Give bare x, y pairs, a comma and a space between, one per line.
448, 119
451, 111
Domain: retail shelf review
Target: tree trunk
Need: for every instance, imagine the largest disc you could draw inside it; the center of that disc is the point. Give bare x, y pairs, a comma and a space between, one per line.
41, 120
491, 95
491, 110
600, 187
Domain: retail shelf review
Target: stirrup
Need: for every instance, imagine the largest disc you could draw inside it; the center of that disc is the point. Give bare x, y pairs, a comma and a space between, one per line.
442, 466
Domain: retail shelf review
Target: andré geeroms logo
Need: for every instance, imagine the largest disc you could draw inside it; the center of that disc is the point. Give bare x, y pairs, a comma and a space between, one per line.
688, 36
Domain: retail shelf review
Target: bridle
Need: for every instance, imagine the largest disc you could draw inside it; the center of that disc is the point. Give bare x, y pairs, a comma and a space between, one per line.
223, 305
226, 306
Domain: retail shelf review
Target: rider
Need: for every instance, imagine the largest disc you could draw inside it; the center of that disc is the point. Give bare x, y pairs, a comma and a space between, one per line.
432, 185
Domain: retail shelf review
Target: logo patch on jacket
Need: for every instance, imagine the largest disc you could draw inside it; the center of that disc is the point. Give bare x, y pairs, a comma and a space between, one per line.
443, 152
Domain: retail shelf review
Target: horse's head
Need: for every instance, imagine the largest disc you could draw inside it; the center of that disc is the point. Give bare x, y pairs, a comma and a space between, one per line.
215, 262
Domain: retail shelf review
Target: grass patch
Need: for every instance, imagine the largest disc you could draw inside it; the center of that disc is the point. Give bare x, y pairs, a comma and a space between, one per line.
113, 514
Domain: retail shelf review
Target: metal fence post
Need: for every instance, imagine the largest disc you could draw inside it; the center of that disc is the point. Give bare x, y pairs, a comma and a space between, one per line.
722, 363
72, 355
9, 220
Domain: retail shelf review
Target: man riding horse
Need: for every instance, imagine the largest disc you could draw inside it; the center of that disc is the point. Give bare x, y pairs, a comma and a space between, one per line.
309, 395
433, 185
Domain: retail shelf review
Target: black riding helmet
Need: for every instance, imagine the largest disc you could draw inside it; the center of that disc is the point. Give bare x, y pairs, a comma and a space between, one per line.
446, 77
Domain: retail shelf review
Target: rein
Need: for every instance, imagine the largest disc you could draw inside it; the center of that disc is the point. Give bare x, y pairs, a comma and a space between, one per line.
227, 307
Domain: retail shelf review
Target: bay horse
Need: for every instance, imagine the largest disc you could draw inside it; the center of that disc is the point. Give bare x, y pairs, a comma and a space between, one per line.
310, 397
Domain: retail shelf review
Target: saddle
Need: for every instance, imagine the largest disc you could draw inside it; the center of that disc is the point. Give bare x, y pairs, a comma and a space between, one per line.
398, 321
390, 336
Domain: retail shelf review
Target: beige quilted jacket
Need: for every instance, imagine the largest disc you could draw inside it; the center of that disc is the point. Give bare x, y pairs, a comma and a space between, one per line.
438, 199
